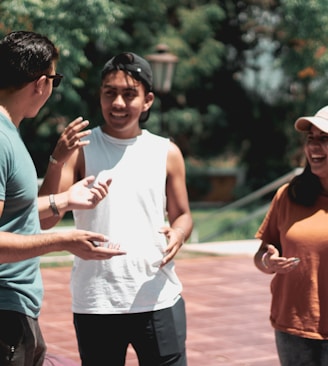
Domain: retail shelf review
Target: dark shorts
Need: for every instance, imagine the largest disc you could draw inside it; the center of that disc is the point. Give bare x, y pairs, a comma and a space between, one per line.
21, 340
158, 337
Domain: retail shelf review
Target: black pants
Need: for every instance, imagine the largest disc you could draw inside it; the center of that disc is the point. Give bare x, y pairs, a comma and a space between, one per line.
21, 341
158, 337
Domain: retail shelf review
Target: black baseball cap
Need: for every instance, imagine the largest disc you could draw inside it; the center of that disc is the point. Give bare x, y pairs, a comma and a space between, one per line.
135, 66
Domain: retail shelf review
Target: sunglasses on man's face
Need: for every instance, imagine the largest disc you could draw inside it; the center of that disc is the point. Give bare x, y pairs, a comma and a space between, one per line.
56, 79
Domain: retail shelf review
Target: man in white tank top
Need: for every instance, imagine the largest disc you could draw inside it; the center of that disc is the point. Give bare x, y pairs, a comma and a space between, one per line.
135, 298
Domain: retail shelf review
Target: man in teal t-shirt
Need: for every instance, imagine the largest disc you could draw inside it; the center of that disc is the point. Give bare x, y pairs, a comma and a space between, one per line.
18, 189
27, 77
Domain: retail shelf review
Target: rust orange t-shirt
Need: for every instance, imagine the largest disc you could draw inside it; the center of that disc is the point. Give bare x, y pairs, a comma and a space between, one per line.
299, 303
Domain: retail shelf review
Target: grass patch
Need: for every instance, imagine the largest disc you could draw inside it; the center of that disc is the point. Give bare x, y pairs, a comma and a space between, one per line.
213, 225
56, 264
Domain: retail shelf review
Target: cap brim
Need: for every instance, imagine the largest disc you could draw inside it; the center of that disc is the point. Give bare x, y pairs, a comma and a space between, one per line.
303, 124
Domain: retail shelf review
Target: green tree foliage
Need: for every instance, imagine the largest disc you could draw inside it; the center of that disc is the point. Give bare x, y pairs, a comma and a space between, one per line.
295, 43
302, 36
72, 26
247, 69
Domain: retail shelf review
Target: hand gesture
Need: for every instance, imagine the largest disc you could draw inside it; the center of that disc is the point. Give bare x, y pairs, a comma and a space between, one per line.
80, 243
82, 196
272, 261
175, 239
69, 140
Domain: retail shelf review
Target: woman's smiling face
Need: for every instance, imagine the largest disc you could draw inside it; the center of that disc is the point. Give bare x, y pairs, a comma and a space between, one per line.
316, 151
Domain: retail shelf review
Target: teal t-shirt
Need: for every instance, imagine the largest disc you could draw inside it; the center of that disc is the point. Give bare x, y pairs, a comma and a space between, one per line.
20, 282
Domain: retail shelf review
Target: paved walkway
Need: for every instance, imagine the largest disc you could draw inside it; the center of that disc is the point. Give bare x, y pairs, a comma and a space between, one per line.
227, 301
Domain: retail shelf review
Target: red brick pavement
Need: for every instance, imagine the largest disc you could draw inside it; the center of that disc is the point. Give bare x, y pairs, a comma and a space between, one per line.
227, 301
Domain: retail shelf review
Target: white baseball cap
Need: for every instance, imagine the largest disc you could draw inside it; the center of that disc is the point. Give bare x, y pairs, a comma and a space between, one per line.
320, 120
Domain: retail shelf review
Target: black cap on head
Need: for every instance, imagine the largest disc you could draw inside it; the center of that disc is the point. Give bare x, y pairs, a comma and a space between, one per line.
135, 66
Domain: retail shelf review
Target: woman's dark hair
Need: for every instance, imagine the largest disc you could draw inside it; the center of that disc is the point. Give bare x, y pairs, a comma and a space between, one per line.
305, 188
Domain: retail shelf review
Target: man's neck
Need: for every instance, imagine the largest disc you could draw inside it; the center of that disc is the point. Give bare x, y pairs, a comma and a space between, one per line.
10, 106
4, 111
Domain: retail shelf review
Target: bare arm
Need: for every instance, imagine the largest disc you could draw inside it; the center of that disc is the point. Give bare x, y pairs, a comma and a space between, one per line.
260, 259
67, 170
178, 209
78, 196
16, 247
59, 181
68, 145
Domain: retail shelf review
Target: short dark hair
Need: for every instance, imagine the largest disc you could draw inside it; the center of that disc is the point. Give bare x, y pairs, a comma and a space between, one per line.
24, 56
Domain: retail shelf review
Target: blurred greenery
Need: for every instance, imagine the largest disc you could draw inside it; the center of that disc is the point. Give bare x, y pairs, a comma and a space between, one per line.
221, 226
247, 69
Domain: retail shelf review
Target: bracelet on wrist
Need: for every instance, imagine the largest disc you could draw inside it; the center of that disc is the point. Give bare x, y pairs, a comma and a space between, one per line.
53, 205
52, 160
264, 264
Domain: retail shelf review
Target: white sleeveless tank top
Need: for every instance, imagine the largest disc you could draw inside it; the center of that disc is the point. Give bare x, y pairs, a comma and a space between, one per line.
131, 215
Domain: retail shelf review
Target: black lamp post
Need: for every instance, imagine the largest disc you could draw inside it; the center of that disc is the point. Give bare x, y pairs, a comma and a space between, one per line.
163, 64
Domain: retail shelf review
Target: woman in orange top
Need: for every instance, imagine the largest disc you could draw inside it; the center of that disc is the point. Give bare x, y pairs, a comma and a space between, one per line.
294, 248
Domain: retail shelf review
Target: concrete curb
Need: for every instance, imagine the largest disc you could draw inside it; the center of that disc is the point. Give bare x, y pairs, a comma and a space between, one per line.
234, 247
